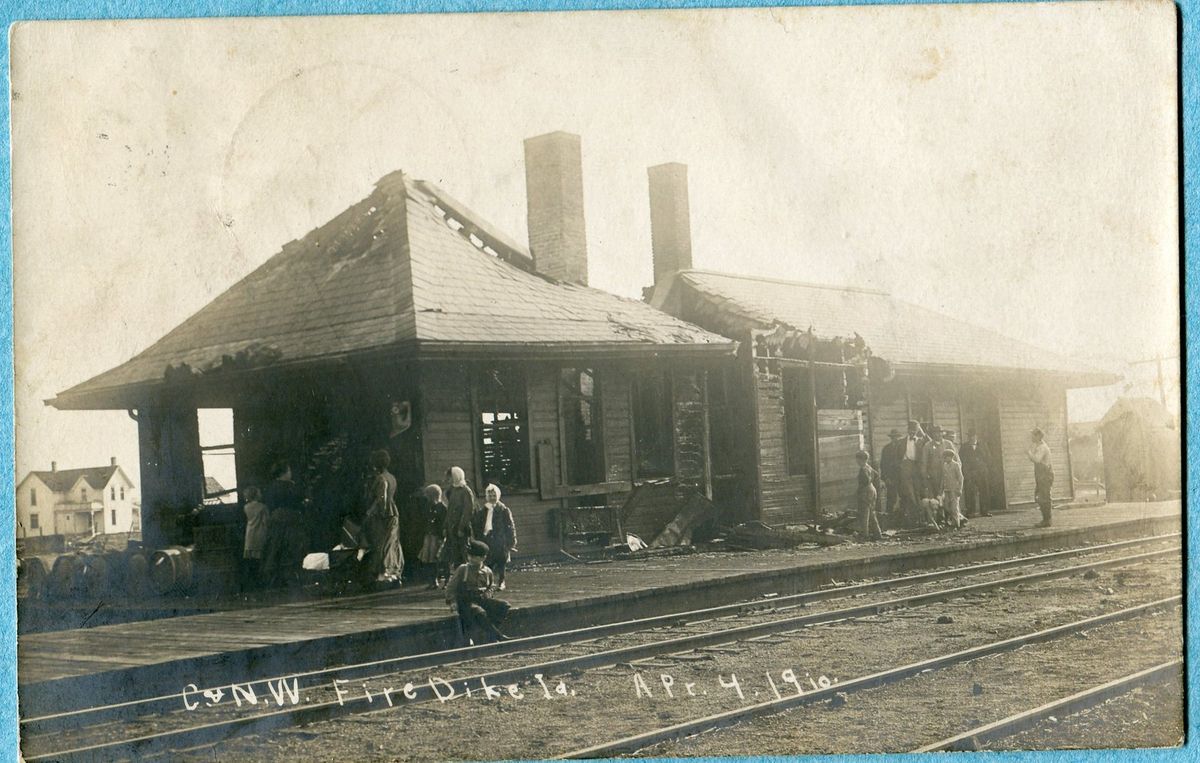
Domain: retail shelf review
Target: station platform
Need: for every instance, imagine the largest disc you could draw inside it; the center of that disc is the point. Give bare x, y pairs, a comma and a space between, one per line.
74, 668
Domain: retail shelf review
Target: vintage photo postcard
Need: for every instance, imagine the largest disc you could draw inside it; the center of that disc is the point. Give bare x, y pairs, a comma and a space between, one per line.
729, 382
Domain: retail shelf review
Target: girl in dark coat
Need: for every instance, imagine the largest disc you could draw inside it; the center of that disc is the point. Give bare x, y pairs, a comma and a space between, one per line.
460, 508
493, 524
434, 506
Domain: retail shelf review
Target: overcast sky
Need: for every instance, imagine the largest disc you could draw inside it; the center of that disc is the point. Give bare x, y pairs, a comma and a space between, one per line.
1010, 165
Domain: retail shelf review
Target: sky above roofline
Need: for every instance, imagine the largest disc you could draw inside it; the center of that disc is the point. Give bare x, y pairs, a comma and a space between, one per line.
977, 161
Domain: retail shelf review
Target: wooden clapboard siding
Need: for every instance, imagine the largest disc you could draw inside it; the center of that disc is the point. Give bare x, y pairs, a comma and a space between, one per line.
839, 439
541, 385
447, 434
886, 415
1018, 415
784, 498
537, 534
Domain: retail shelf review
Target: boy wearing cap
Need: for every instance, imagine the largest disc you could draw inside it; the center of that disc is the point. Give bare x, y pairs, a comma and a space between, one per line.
469, 593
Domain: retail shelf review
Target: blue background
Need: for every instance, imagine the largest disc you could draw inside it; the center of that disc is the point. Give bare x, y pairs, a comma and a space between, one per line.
1189, 30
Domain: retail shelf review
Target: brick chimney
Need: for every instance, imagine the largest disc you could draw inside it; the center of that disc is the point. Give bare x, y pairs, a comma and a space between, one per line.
554, 189
112, 461
670, 220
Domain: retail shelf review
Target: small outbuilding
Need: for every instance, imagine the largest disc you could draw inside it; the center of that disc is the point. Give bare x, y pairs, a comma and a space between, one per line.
1142, 451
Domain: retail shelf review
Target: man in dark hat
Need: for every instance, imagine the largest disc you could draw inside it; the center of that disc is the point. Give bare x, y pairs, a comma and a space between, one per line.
1043, 473
470, 594
976, 461
889, 469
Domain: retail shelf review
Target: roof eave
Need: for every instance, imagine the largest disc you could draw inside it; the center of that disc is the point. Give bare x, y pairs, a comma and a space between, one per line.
1069, 379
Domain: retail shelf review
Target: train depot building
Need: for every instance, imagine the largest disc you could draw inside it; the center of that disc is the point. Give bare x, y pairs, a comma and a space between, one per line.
408, 323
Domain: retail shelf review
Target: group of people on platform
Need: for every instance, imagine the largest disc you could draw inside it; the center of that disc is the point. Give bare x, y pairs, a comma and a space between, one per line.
466, 547
927, 480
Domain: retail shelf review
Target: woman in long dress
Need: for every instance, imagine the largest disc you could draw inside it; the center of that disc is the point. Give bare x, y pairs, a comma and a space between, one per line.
381, 525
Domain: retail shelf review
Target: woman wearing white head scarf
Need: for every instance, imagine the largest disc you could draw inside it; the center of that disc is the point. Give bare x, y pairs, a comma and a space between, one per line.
460, 507
493, 523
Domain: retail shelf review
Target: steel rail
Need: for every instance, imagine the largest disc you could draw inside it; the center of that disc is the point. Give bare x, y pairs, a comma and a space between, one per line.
971, 739
720, 720
308, 713
131, 708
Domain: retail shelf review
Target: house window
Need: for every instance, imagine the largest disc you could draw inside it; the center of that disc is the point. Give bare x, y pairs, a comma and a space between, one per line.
920, 409
114, 517
112, 493
122, 493
579, 402
33, 496
797, 422
503, 428
33, 522
83, 496
654, 452
216, 453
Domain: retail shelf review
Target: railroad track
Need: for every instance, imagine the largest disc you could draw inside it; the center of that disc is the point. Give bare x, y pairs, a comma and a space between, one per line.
630, 744
973, 738
718, 625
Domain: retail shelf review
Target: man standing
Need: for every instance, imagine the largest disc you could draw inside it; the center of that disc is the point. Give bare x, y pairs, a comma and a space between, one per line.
889, 469
1043, 474
975, 460
932, 462
910, 469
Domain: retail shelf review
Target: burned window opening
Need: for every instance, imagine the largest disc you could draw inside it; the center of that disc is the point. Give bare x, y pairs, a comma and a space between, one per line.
582, 451
797, 421
503, 428
654, 452
217, 454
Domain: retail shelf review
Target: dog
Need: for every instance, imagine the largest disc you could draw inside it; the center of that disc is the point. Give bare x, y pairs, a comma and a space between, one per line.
931, 512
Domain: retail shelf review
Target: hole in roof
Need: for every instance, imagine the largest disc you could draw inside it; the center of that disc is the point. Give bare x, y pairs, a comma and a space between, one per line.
476, 240
455, 225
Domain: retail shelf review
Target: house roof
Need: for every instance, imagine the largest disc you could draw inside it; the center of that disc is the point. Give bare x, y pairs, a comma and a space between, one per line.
406, 267
62, 480
1147, 409
900, 332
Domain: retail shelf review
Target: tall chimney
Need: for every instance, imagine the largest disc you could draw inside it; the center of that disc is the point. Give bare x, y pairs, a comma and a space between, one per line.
554, 189
670, 220
53, 466
112, 461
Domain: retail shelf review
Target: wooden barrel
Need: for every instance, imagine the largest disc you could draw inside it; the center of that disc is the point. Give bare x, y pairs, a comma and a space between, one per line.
171, 569
118, 570
62, 576
36, 577
91, 576
137, 573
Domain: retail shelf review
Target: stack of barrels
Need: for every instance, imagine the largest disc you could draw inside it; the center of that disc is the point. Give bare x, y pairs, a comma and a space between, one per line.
85, 574
210, 565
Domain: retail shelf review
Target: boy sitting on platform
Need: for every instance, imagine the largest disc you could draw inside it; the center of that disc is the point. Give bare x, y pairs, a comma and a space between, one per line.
469, 593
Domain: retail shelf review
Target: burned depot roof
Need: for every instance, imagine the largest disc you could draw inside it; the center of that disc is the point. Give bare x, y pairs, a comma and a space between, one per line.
900, 332
406, 269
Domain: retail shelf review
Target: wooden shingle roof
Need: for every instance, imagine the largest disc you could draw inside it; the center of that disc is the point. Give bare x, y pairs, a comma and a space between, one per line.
898, 331
408, 268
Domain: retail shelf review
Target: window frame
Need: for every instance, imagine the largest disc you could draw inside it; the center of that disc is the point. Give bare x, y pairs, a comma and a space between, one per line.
477, 426
597, 424
635, 388
33, 522
33, 496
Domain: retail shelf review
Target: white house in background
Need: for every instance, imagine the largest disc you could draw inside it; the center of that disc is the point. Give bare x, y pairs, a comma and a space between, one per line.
97, 499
